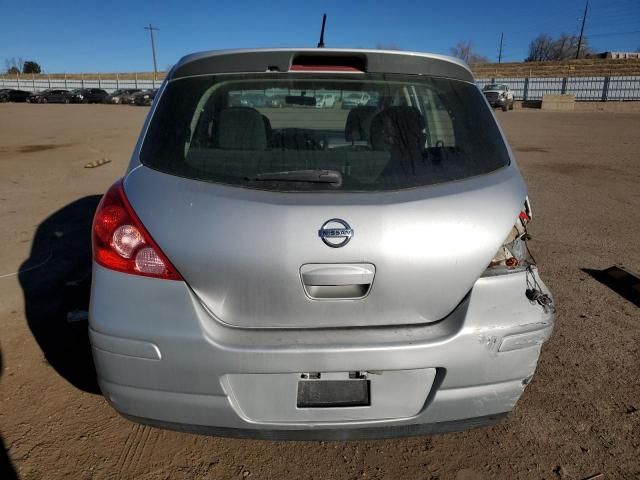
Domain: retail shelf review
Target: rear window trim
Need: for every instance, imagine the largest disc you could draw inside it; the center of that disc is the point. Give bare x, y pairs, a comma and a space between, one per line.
334, 192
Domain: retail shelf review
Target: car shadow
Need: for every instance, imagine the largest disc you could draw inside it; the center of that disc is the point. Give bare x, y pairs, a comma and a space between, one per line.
7, 472
56, 280
622, 281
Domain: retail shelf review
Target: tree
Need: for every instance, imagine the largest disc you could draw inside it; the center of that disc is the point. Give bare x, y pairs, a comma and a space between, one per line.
13, 65
464, 51
31, 67
544, 48
541, 49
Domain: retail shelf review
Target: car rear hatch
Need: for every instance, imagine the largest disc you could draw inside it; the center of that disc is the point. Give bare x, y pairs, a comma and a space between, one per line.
242, 251
280, 211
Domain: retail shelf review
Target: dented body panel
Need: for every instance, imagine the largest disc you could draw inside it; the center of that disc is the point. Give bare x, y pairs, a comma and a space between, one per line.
195, 377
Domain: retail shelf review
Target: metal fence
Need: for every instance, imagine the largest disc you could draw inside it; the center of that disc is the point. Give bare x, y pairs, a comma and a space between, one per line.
590, 89
35, 84
599, 89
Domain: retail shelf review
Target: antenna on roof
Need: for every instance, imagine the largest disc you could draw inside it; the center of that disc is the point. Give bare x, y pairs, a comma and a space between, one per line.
324, 21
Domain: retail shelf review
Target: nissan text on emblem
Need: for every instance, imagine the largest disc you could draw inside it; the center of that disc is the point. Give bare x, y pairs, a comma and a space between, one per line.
335, 233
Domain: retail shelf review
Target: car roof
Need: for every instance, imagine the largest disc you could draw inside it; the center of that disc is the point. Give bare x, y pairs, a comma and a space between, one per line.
281, 59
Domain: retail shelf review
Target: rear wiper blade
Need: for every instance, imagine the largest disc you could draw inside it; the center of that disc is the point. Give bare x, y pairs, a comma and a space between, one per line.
310, 176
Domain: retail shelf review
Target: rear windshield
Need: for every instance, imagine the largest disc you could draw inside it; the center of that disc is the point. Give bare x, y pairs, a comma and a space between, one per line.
323, 132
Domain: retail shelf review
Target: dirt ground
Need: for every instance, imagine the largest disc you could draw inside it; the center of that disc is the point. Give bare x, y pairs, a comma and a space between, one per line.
580, 416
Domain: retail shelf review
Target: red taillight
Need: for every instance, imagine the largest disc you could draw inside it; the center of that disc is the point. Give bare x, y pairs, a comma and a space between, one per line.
323, 68
120, 241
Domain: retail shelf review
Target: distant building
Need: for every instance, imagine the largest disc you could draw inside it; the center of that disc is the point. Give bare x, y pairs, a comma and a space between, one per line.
615, 55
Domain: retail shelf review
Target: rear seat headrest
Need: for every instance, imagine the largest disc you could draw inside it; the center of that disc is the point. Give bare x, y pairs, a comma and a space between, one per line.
359, 123
400, 127
241, 128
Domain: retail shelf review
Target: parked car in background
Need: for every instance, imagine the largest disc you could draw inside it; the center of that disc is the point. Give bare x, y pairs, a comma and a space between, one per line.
88, 95
310, 274
122, 96
356, 99
145, 97
326, 100
50, 96
11, 95
275, 102
499, 95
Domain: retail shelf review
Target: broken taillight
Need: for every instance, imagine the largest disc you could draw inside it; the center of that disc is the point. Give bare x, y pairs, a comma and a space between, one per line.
121, 242
514, 254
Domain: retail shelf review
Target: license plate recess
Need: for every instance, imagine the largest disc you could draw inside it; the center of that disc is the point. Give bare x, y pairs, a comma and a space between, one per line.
333, 393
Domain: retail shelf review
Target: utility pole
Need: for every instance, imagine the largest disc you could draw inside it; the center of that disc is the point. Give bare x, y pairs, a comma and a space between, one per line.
324, 21
584, 20
151, 28
500, 50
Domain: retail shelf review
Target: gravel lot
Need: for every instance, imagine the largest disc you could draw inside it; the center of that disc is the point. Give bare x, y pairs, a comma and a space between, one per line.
580, 416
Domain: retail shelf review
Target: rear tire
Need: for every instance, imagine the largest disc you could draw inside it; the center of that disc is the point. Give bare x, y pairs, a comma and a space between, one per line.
44, 100
505, 107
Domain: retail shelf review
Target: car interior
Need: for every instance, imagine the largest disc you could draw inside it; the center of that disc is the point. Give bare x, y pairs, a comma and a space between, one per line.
404, 135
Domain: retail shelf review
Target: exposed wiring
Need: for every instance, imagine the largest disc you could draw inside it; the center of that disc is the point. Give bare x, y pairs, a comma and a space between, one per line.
525, 237
534, 291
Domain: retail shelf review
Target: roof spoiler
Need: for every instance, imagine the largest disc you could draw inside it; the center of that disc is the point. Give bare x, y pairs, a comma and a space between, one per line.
282, 60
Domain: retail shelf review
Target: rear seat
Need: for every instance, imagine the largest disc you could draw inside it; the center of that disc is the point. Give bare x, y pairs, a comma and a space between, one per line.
400, 131
358, 125
398, 128
241, 128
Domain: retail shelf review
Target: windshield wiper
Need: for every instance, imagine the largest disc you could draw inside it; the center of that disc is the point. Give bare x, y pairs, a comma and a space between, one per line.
309, 176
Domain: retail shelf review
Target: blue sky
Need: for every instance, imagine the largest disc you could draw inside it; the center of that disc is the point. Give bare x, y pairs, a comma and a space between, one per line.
92, 36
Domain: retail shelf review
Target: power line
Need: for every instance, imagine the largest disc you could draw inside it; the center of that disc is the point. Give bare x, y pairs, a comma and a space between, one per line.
540, 23
500, 50
613, 34
615, 14
610, 19
610, 5
613, 23
151, 29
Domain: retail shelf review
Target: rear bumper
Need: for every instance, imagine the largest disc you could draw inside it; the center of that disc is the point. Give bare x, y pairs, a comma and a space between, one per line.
367, 433
161, 359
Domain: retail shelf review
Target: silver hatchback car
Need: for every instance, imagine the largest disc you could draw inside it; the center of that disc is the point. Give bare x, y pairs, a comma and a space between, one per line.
273, 265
